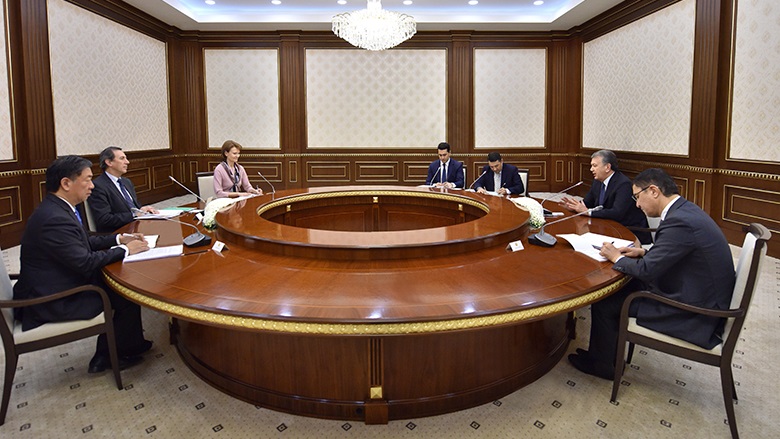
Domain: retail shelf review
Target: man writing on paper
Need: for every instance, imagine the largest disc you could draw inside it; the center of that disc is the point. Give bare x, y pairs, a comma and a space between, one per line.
612, 190
690, 262
445, 172
113, 202
504, 179
57, 254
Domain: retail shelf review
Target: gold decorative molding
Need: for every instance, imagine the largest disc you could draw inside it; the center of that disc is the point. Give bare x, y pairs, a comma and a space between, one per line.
374, 328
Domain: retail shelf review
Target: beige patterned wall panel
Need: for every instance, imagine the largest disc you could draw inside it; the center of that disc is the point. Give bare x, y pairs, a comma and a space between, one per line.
393, 98
109, 83
509, 97
242, 93
637, 83
755, 125
6, 136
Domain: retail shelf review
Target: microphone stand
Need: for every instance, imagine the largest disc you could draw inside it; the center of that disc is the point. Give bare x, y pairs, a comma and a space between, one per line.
187, 189
196, 239
547, 212
477, 179
544, 239
434, 177
273, 191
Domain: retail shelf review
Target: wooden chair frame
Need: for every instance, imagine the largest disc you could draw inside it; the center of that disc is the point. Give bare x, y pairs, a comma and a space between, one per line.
720, 358
14, 350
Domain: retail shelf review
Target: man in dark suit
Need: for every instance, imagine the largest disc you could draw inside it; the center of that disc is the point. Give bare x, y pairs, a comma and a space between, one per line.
113, 201
612, 190
690, 262
502, 178
445, 172
57, 254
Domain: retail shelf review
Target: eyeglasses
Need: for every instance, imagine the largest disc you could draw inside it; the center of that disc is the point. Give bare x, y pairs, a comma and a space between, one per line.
636, 195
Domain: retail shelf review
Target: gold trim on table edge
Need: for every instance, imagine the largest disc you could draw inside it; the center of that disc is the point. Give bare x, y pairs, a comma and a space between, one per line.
259, 324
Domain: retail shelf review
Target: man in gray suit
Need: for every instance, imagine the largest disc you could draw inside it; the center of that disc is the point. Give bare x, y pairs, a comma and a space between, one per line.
690, 262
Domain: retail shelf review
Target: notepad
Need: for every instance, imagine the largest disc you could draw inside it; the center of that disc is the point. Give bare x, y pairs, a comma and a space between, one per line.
156, 253
589, 244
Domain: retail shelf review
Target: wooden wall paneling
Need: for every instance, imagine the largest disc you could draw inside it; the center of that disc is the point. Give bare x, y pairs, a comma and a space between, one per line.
327, 172
127, 15
377, 172
704, 97
460, 94
37, 119
416, 172
10, 203
292, 95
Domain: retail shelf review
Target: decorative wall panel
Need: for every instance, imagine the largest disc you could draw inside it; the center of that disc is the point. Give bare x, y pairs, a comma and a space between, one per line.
755, 125
6, 133
637, 84
393, 98
109, 83
242, 97
509, 97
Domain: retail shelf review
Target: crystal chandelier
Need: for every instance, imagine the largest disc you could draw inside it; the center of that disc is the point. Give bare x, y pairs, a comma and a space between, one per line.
374, 28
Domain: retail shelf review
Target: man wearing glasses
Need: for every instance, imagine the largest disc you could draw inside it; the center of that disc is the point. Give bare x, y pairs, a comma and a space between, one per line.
690, 262
612, 190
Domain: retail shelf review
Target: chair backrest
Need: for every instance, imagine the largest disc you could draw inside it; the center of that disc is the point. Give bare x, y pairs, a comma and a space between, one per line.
206, 185
465, 180
91, 224
6, 293
749, 264
524, 177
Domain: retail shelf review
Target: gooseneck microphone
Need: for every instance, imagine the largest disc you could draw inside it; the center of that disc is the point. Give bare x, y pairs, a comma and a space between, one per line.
477, 179
187, 189
196, 239
433, 182
273, 191
544, 239
547, 212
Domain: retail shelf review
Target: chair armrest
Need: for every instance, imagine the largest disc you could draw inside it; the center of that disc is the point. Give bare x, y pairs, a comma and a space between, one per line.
729, 313
62, 294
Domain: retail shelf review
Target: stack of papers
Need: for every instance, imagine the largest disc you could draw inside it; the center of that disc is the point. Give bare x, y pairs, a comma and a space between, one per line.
156, 253
589, 244
164, 213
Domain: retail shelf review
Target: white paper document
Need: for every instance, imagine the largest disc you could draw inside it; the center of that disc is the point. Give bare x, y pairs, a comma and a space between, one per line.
164, 213
589, 244
156, 253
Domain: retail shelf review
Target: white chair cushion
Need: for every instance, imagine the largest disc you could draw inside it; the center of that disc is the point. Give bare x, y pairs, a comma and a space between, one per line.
48, 330
641, 330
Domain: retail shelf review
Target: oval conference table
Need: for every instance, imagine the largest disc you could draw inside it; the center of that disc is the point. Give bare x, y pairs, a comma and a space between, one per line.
370, 303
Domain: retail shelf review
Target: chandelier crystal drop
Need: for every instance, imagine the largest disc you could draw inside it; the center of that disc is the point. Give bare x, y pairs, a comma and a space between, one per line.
374, 28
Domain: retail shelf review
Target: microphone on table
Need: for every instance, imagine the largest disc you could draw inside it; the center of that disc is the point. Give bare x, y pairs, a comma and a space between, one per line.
434, 175
547, 212
273, 191
196, 239
187, 189
544, 239
477, 179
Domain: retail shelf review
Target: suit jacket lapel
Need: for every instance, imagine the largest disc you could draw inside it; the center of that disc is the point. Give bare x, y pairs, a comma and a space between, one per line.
63, 205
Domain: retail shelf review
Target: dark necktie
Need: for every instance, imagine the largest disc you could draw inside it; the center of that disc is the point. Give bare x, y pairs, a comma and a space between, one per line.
602, 195
126, 195
444, 174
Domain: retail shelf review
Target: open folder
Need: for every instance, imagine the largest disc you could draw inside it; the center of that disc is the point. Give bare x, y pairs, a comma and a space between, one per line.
589, 244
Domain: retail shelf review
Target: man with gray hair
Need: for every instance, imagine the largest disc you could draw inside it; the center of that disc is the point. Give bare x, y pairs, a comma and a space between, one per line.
612, 190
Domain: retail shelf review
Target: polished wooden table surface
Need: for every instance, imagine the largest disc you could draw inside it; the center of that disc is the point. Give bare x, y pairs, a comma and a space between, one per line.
302, 280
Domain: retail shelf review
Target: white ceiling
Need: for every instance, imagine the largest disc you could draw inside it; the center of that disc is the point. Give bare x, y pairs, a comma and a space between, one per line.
429, 14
